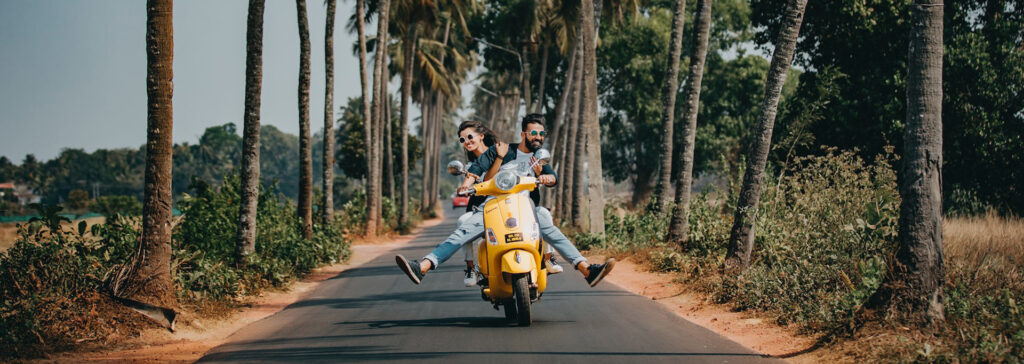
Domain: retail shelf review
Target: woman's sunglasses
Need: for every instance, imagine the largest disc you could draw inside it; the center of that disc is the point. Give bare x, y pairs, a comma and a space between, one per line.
467, 138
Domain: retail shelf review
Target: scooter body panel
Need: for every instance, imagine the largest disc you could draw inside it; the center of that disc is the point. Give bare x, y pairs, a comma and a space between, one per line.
511, 232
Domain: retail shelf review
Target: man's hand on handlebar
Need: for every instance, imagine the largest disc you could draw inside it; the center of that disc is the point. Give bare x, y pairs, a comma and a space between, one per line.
546, 179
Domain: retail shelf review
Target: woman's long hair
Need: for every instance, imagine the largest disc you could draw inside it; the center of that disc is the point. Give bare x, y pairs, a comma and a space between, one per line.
490, 137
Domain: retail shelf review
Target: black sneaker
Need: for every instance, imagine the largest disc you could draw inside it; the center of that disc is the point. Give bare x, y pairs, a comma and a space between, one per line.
598, 271
411, 269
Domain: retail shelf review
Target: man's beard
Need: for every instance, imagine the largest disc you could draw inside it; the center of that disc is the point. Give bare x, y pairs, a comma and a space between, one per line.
534, 145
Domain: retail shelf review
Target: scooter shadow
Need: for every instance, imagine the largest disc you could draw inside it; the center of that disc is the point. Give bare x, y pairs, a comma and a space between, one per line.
464, 322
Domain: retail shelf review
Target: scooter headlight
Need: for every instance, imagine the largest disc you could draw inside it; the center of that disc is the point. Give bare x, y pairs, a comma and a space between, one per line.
506, 180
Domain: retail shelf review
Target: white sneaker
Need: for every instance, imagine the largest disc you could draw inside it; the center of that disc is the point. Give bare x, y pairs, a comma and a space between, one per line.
470, 279
553, 267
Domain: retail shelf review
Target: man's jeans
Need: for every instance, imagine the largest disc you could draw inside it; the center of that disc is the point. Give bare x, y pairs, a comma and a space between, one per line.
472, 228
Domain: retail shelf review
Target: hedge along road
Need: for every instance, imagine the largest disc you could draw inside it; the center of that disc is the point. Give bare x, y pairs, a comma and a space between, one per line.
374, 313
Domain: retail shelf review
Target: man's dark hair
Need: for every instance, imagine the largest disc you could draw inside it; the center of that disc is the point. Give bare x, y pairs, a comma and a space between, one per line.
531, 119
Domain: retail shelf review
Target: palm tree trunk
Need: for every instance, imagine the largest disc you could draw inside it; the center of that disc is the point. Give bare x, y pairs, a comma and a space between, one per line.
573, 138
539, 104
510, 127
679, 225
915, 285
578, 201
366, 97
410, 49
328, 167
147, 278
425, 129
435, 168
305, 150
741, 238
251, 133
590, 122
561, 132
389, 157
527, 94
373, 173
668, 105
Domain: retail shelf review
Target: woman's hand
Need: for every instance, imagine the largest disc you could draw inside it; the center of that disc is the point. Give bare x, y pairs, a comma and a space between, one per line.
502, 149
537, 167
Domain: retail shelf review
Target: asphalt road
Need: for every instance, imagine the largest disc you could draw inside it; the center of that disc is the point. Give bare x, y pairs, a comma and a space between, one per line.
374, 313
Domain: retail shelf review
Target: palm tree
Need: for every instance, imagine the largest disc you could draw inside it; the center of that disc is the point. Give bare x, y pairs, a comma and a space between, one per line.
408, 48
147, 277
577, 199
595, 178
915, 285
678, 227
251, 132
741, 238
415, 12
372, 145
305, 151
328, 167
668, 103
560, 133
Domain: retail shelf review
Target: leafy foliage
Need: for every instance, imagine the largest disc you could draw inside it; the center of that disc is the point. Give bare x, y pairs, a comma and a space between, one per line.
52, 279
205, 244
855, 53
50, 286
123, 205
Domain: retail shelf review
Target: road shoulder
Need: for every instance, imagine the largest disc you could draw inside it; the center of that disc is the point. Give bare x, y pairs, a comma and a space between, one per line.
752, 332
188, 344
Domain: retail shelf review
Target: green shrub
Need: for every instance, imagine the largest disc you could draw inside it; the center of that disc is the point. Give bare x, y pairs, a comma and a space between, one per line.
205, 243
824, 230
110, 205
50, 285
51, 279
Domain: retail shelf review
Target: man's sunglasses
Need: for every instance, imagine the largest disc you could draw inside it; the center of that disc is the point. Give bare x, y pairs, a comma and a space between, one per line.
536, 133
463, 140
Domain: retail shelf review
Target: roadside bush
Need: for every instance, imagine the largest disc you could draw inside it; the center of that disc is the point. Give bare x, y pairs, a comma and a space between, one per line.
825, 231
825, 228
110, 205
352, 216
51, 279
50, 286
205, 243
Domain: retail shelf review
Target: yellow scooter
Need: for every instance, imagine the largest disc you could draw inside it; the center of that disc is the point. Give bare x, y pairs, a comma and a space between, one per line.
510, 261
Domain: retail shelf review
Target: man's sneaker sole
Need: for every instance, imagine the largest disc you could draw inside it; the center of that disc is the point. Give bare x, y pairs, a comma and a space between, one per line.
608, 265
404, 265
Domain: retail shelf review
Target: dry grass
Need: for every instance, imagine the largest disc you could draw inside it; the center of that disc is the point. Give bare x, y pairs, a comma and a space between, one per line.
984, 239
9, 231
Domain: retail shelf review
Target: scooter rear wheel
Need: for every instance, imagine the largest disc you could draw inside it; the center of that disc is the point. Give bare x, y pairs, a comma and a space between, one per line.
521, 290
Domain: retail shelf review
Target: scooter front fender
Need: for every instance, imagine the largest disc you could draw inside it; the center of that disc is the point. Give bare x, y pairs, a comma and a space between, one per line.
517, 261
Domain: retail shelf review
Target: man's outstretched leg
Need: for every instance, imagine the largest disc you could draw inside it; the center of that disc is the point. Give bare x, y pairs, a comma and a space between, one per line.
593, 273
470, 229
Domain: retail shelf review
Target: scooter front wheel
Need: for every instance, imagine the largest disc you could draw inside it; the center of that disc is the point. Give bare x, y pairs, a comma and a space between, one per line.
521, 290
510, 309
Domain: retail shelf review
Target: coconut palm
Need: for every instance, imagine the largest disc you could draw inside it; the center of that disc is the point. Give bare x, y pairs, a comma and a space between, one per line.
741, 237
668, 103
251, 132
305, 209
588, 113
147, 277
328, 160
678, 227
373, 209
916, 283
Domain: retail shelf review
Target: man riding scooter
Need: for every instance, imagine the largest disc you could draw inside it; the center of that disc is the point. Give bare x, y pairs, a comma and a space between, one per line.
533, 138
